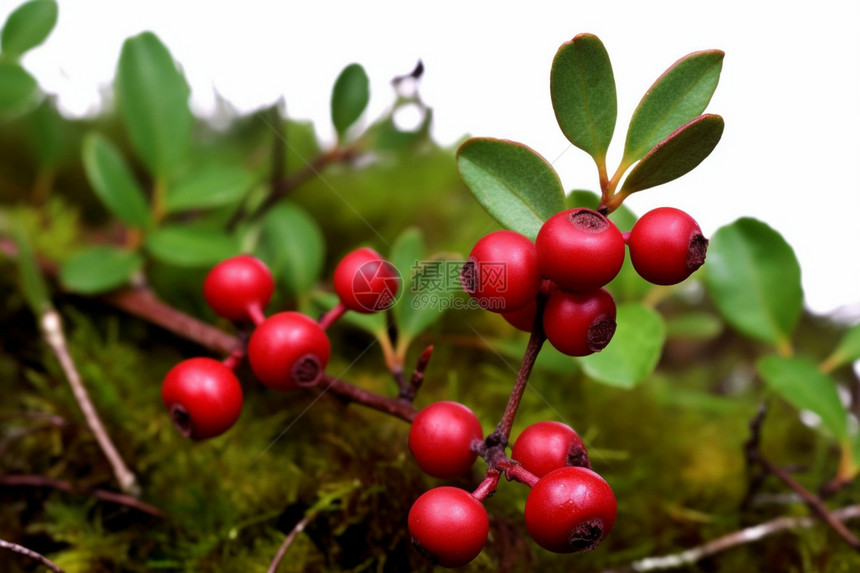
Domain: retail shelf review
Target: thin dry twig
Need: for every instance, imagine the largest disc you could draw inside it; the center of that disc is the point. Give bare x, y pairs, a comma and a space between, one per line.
31, 554
288, 540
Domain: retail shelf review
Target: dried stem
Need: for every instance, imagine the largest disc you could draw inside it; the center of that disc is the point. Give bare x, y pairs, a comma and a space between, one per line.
409, 392
52, 329
31, 554
741, 537
397, 408
68, 487
288, 540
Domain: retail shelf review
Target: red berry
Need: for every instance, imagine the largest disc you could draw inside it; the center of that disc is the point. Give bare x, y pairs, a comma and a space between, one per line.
441, 439
287, 350
579, 249
448, 526
570, 509
548, 445
579, 324
365, 282
522, 318
239, 288
501, 273
203, 396
666, 246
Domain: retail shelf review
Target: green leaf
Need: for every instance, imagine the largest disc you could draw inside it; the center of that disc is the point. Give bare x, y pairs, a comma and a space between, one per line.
634, 350
753, 278
518, 187
49, 134
113, 181
27, 27
33, 286
153, 101
349, 97
96, 270
582, 87
677, 155
209, 186
694, 325
677, 97
18, 90
293, 246
848, 349
191, 246
799, 381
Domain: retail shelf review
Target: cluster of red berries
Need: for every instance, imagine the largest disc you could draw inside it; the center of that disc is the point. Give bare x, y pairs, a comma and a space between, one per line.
570, 508
575, 254
286, 350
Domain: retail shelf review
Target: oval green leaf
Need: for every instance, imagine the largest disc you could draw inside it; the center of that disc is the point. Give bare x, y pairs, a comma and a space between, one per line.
753, 277
19, 91
799, 381
96, 270
113, 181
209, 186
848, 349
582, 87
191, 246
349, 97
293, 246
153, 101
677, 155
634, 351
677, 97
516, 186
50, 135
27, 27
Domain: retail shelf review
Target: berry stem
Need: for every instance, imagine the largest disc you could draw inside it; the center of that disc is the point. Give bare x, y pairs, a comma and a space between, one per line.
408, 392
234, 359
488, 485
332, 315
344, 390
256, 314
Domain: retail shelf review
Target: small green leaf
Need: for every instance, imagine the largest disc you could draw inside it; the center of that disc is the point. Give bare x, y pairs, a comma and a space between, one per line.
113, 181
19, 91
677, 155
518, 187
848, 349
27, 27
753, 278
349, 97
293, 246
96, 270
191, 246
49, 134
33, 286
677, 97
695, 325
209, 186
634, 350
799, 381
153, 102
582, 87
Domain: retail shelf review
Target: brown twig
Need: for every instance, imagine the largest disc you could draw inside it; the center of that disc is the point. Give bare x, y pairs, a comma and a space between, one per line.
288, 540
408, 392
741, 537
397, 408
68, 487
31, 554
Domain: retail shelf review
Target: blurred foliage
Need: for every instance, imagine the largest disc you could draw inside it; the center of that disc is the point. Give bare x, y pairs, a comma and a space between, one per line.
670, 446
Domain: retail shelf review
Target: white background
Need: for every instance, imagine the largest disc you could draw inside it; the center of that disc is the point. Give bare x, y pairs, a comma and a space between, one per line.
789, 91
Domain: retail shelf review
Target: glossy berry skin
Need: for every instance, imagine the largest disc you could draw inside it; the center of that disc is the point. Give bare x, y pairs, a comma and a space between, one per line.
203, 396
522, 318
569, 510
501, 273
365, 282
287, 350
448, 526
547, 446
239, 288
579, 249
666, 246
441, 439
579, 324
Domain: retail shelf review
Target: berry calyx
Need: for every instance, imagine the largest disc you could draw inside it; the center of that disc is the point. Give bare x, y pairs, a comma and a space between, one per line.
549, 445
569, 510
365, 282
666, 246
501, 273
579, 249
288, 350
239, 288
203, 396
441, 437
579, 324
448, 526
